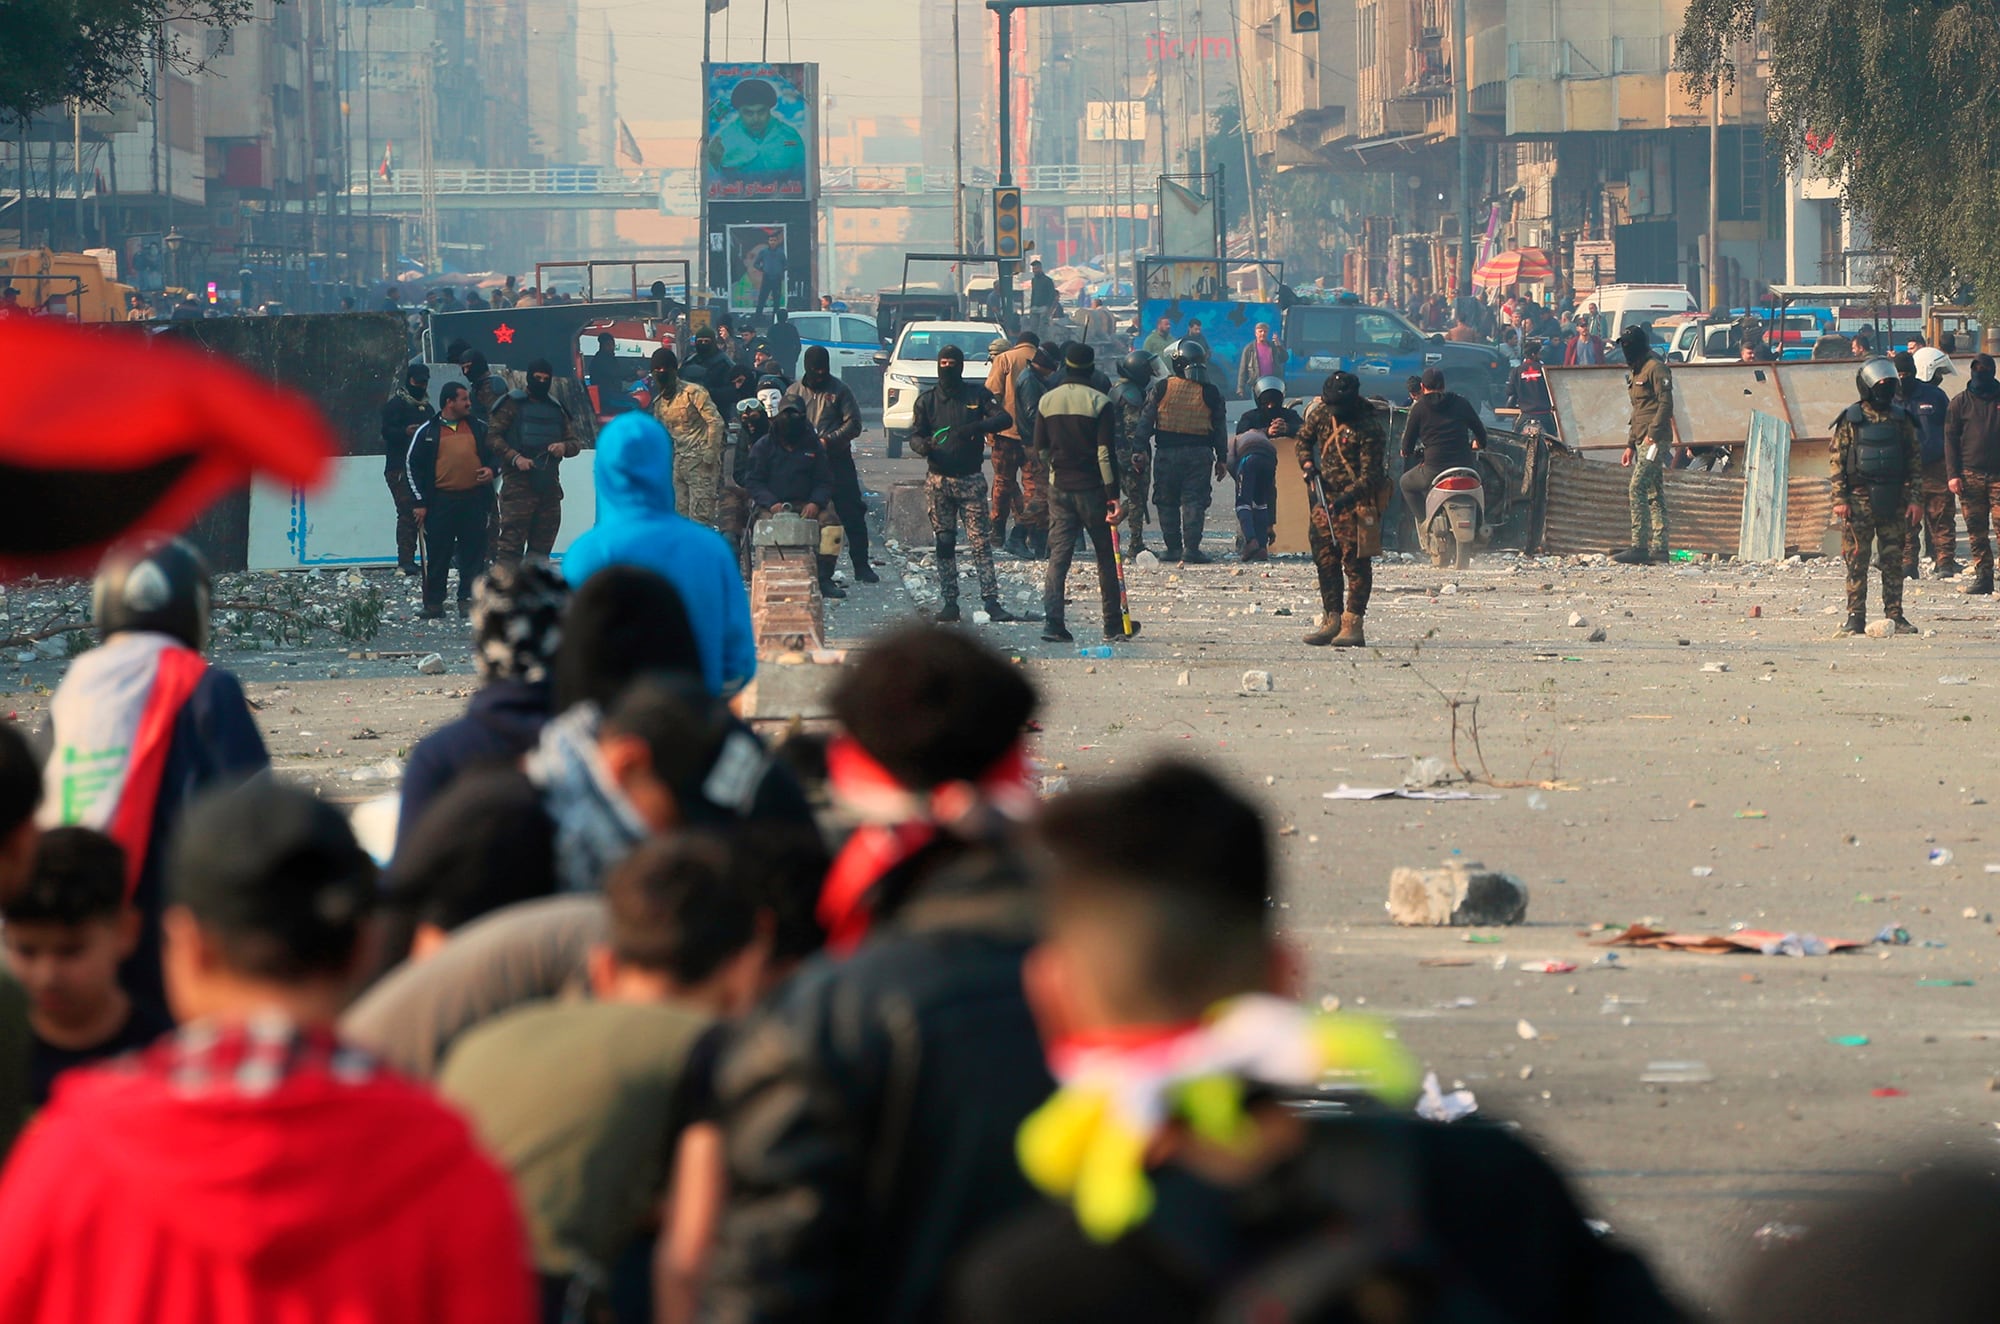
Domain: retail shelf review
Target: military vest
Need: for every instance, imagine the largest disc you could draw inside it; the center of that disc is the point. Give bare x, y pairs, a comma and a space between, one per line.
1877, 450
1184, 409
538, 425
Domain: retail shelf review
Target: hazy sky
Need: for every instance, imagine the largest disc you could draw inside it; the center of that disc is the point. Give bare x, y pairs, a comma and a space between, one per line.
866, 49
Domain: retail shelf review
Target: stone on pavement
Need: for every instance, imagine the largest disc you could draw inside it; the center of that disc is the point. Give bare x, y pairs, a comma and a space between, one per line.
1459, 893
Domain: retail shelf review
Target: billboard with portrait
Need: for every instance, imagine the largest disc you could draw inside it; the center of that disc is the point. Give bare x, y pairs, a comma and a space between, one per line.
760, 130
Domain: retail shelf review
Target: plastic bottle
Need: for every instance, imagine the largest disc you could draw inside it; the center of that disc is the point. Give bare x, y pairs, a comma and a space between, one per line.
1683, 555
1100, 650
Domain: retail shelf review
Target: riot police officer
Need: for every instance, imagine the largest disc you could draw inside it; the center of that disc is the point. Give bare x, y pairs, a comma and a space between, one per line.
1878, 467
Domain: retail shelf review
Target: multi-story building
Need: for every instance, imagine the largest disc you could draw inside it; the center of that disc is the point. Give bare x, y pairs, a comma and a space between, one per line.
1582, 134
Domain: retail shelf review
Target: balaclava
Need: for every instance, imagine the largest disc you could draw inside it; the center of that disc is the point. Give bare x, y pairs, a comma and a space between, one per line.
817, 364
540, 367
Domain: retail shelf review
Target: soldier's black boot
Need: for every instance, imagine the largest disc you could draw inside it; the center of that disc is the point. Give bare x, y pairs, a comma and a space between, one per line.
1856, 623
996, 612
827, 588
1903, 625
1982, 581
1632, 556
1191, 527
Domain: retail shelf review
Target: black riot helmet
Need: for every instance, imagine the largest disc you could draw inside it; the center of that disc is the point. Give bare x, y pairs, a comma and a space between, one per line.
1136, 367
1184, 355
1876, 380
152, 583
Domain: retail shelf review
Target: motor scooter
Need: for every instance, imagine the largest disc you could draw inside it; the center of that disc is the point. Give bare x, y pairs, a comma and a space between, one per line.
1454, 523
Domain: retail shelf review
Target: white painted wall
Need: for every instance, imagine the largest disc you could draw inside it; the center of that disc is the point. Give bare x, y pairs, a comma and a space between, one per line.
351, 520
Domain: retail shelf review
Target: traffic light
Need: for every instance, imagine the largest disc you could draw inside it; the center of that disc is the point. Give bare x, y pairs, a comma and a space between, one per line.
1305, 15
1007, 221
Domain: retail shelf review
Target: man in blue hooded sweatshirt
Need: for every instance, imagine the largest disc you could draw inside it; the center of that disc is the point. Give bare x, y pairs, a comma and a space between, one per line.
636, 525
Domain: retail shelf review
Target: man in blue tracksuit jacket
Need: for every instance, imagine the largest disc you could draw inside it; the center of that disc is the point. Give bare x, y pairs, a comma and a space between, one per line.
636, 525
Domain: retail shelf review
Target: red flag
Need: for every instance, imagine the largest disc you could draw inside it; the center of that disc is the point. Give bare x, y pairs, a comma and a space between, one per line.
83, 464
388, 150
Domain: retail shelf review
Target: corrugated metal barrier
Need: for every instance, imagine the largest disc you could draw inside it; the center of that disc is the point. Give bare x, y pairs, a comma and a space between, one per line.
1587, 509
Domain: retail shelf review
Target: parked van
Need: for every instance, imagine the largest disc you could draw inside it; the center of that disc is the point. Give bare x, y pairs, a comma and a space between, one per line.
1612, 308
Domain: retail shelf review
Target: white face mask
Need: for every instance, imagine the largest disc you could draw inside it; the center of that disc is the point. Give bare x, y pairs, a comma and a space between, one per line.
770, 399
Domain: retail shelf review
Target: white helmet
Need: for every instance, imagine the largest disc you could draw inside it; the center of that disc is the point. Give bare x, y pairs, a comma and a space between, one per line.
1932, 363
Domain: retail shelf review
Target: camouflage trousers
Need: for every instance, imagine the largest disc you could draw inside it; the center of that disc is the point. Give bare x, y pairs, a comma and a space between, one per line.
1017, 486
1886, 531
406, 519
1939, 524
951, 500
1135, 476
1980, 496
530, 516
697, 479
1183, 478
1648, 495
1336, 559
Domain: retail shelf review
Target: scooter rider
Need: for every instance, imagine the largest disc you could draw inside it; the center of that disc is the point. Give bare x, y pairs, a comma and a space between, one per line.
1443, 432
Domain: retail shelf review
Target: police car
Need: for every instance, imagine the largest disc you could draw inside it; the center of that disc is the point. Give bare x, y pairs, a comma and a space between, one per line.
851, 339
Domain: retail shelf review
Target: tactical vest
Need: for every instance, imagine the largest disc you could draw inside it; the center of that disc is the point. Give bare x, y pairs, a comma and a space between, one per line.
538, 425
1184, 409
1878, 453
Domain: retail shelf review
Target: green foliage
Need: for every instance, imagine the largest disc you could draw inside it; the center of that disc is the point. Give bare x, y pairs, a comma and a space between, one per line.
91, 50
1901, 95
360, 615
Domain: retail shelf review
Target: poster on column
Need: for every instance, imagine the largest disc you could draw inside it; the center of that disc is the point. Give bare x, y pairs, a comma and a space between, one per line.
757, 258
760, 128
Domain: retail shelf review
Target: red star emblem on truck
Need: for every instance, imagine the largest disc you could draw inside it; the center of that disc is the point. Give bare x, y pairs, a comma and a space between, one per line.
504, 334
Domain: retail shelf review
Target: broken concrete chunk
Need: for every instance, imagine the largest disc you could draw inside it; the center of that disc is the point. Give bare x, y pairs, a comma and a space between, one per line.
1256, 682
1596, 636
1881, 629
432, 664
1459, 893
1577, 620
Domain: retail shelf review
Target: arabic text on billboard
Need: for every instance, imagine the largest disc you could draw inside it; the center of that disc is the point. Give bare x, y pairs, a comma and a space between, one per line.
759, 131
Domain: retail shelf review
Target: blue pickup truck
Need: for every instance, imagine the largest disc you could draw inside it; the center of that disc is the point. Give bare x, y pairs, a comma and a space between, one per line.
1384, 349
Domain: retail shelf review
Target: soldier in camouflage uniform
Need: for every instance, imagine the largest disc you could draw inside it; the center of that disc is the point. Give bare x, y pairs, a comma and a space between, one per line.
689, 414
949, 429
1648, 439
532, 434
1341, 451
1878, 467
1135, 457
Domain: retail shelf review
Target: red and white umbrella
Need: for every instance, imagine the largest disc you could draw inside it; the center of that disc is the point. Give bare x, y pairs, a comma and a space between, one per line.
1516, 266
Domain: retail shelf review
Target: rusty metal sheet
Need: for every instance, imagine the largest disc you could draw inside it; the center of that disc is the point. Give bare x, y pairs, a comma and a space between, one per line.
1712, 401
1588, 510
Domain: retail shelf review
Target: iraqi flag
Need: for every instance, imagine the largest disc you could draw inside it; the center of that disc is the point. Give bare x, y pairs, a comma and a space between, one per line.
109, 431
388, 153
628, 146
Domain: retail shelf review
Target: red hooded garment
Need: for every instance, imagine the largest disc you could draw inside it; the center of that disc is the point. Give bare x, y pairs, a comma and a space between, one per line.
326, 1192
